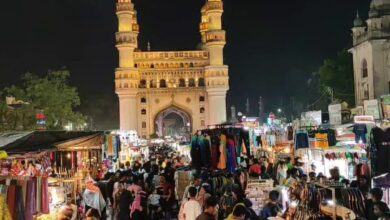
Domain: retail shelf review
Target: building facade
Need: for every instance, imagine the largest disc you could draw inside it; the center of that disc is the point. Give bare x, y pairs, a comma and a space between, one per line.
371, 52
152, 86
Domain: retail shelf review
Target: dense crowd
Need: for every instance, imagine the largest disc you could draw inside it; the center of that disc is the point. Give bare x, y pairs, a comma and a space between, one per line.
146, 190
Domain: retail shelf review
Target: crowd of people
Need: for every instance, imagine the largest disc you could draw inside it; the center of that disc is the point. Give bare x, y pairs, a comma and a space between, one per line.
146, 190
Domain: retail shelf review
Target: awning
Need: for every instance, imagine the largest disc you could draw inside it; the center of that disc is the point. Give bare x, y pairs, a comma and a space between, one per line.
382, 181
48, 140
90, 142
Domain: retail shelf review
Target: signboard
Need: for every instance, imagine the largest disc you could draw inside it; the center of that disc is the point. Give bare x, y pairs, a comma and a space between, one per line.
312, 117
371, 107
41, 120
386, 106
359, 110
335, 114
364, 119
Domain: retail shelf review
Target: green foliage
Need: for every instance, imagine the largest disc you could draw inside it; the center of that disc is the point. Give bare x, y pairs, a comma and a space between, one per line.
337, 74
51, 94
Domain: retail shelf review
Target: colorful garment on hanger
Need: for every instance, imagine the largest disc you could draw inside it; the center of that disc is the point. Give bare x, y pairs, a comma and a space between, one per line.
223, 154
231, 158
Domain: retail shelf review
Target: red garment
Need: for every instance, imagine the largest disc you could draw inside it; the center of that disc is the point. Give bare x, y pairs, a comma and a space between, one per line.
166, 188
255, 169
11, 194
45, 196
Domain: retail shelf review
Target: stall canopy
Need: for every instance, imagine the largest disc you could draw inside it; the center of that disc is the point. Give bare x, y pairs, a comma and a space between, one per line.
36, 141
382, 180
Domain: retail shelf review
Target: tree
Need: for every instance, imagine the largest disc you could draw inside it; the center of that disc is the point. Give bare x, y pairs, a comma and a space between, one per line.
51, 94
337, 74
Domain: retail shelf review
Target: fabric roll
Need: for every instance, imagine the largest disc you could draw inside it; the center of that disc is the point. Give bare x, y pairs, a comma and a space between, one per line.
4, 211
23, 184
30, 200
39, 194
223, 153
45, 196
11, 192
19, 204
110, 149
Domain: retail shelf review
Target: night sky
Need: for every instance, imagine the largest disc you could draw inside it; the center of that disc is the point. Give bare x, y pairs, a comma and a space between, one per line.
269, 43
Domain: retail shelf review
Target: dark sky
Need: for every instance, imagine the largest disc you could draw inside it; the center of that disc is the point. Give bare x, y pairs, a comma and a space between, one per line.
269, 43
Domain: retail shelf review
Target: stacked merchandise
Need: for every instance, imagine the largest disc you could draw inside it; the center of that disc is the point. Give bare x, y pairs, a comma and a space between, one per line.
182, 180
257, 192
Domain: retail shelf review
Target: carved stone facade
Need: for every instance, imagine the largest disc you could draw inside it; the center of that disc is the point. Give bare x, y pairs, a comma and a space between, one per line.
371, 52
191, 84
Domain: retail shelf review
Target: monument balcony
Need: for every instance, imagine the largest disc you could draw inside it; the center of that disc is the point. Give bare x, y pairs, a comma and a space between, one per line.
126, 38
215, 36
204, 26
214, 6
124, 6
171, 55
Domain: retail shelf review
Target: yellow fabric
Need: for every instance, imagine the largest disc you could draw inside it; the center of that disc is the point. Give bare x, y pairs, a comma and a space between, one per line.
4, 212
222, 149
3, 155
45, 217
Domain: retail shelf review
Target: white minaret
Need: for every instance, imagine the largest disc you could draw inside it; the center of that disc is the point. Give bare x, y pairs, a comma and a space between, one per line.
126, 75
216, 74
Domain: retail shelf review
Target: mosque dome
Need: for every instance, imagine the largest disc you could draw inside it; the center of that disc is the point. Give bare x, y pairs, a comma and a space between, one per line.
358, 22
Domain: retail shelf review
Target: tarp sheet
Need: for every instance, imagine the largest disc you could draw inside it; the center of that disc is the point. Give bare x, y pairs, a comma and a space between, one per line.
40, 140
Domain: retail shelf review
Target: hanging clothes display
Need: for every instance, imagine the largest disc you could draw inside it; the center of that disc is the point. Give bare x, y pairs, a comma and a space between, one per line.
360, 131
301, 140
26, 196
380, 150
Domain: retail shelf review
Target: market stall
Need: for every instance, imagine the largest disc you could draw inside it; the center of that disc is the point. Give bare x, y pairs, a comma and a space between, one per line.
345, 158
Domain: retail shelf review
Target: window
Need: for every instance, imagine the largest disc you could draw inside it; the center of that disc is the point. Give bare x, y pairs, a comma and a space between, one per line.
143, 112
191, 64
202, 110
143, 100
163, 83
191, 82
152, 66
202, 123
143, 124
364, 69
201, 82
182, 83
201, 98
152, 84
142, 83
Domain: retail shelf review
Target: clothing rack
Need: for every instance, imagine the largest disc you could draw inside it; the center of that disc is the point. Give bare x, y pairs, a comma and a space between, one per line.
333, 210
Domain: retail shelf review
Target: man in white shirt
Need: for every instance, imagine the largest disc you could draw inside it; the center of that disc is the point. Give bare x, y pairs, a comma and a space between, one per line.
191, 208
196, 182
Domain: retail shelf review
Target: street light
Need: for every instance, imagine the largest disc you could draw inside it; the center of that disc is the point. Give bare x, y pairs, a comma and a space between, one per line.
279, 110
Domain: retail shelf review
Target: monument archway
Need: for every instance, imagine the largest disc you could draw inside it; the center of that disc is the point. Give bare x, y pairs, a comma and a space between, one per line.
174, 122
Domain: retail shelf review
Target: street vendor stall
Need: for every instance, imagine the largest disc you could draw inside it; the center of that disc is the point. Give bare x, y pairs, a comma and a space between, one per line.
345, 158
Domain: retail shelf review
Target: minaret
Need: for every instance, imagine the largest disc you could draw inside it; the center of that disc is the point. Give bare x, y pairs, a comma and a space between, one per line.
359, 28
261, 109
216, 74
126, 75
233, 114
247, 107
